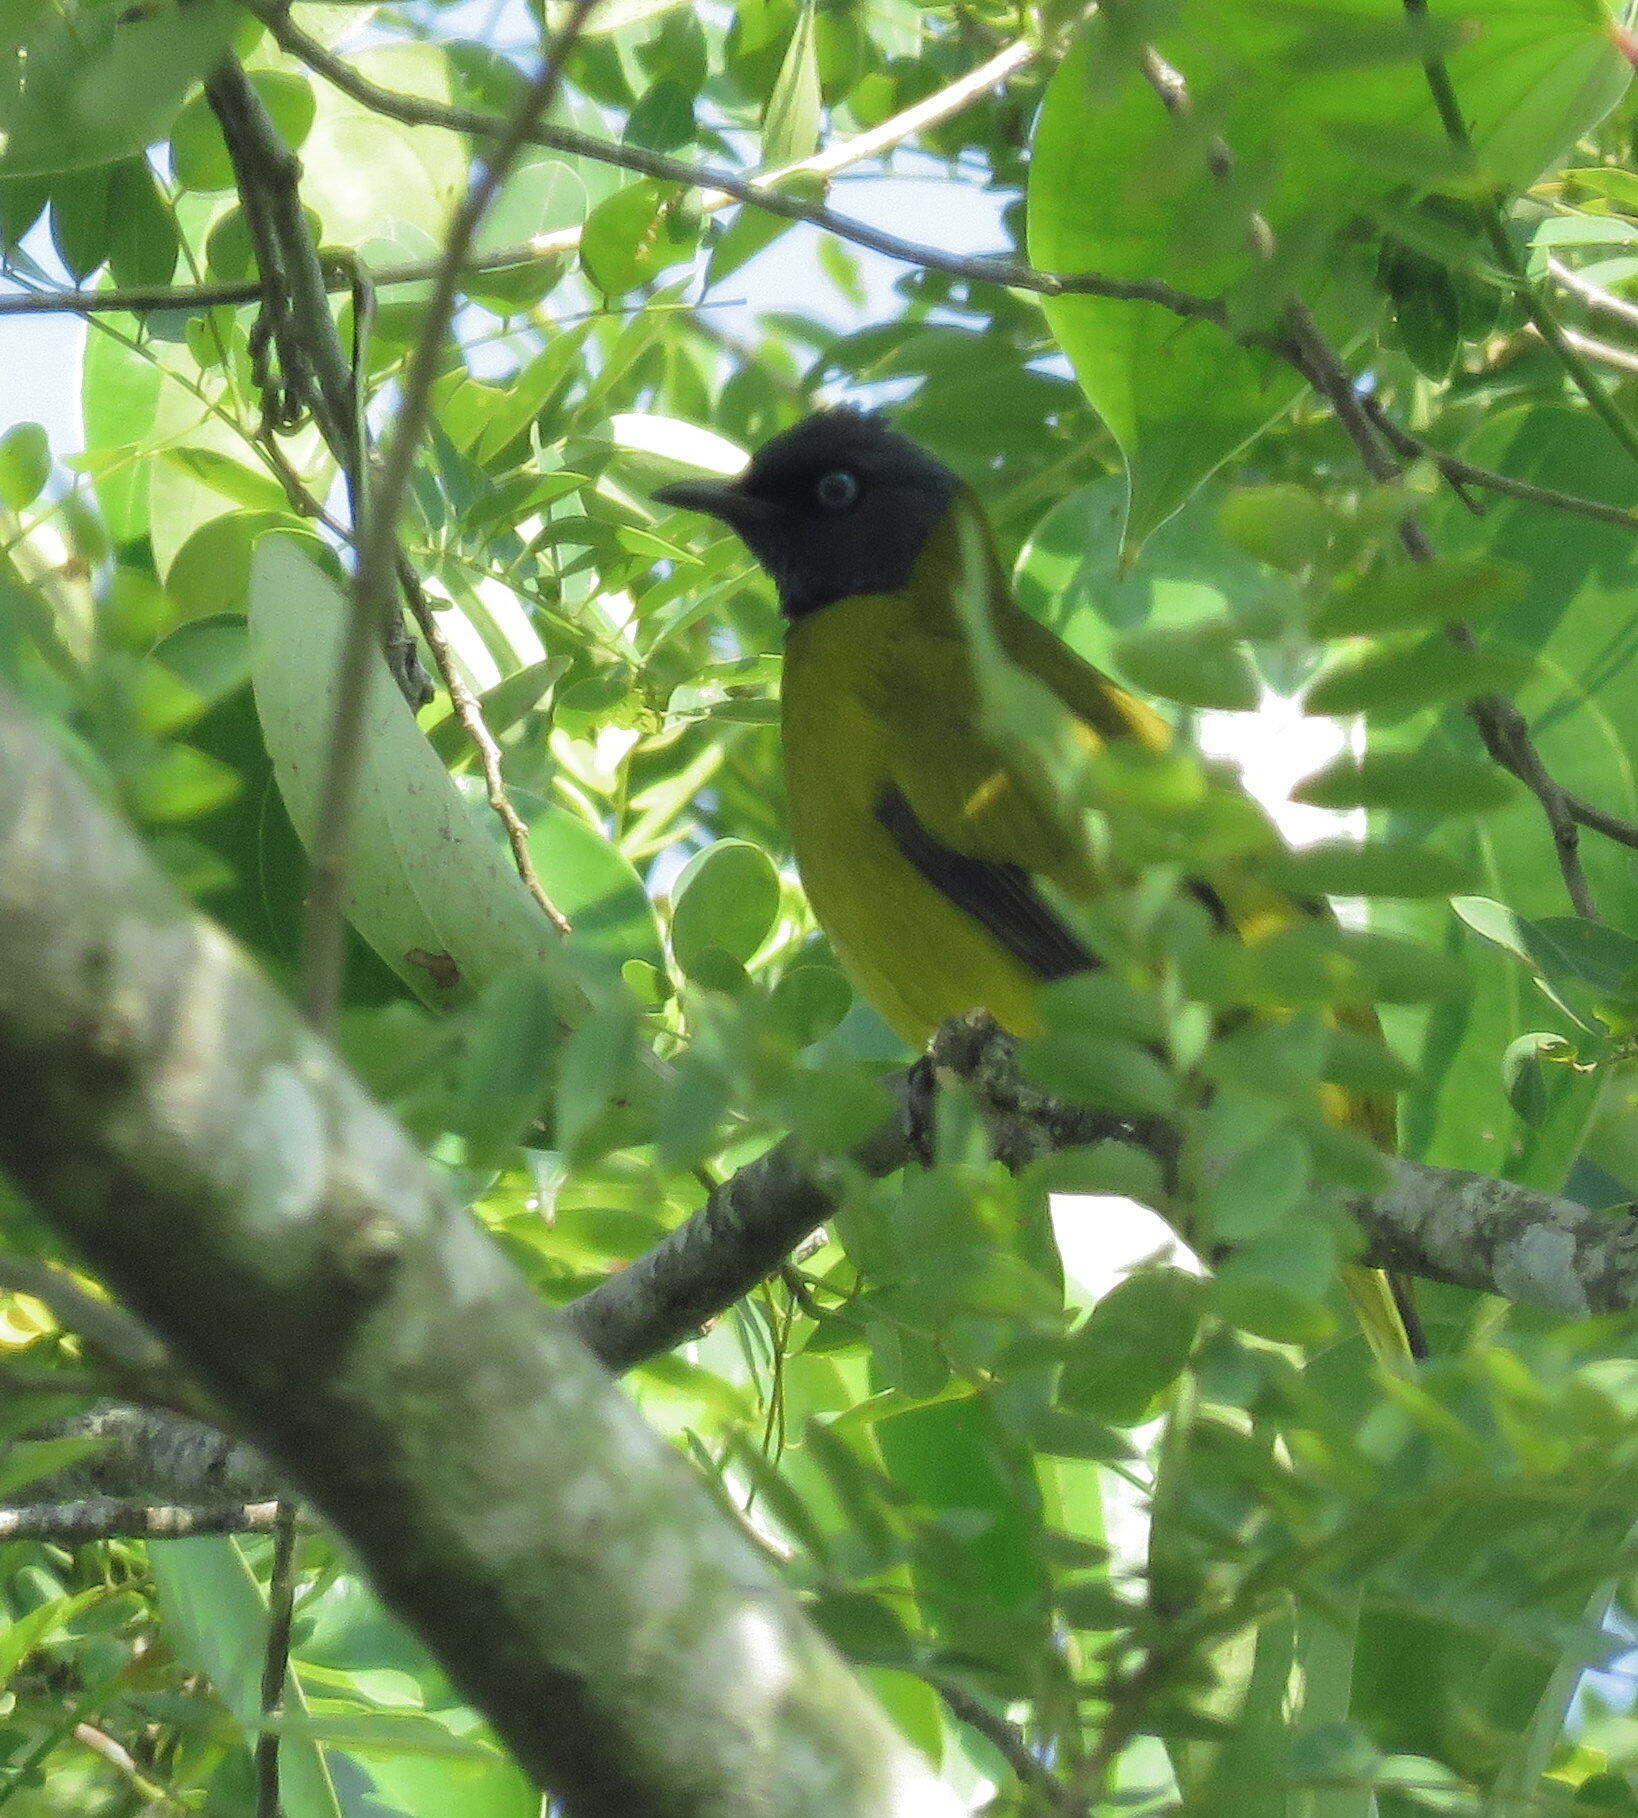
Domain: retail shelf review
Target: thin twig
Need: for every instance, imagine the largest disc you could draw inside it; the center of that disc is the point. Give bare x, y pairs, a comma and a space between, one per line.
376, 578
281, 1605
1008, 1742
1464, 473
1623, 359
1565, 343
1502, 727
717, 189
94, 1518
469, 711
313, 374
720, 188
1595, 296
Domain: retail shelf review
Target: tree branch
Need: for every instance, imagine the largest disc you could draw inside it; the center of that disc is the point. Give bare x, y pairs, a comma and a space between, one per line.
151, 1455
241, 1193
1462, 473
720, 188
1499, 1238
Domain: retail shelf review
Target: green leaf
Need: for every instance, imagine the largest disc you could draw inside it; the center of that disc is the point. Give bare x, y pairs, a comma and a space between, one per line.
1122, 187
180, 784
1189, 577
1132, 1346
595, 886
380, 187
144, 242
232, 479
1380, 868
119, 393
1275, 1285
100, 82
80, 227
615, 15
1201, 665
213, 1614
429, 886
1433, 780
634, 235
199, 153
808, 1001
1099, 1070
1258, 1190
1411, 596
1560, 950
506, 1058
594, 1067
1388, 683
501, 706
1426, 312
1286, 525
24, 1634
25, 464
795, 112
726, 900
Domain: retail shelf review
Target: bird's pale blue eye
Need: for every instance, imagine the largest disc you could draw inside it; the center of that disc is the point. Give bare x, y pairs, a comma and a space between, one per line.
837, 491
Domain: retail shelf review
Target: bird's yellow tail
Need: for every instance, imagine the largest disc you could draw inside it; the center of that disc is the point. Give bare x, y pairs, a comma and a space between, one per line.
1377, 1309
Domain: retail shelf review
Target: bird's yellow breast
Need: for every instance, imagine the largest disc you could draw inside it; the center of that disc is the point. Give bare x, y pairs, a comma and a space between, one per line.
849, 672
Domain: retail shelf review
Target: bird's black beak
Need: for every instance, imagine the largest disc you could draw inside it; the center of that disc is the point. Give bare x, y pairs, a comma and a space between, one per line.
725, 499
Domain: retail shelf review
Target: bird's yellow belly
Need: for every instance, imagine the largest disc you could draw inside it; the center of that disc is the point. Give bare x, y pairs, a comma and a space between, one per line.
910, 952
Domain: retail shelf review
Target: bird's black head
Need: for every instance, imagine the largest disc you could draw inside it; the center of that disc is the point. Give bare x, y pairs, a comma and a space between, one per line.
841, 504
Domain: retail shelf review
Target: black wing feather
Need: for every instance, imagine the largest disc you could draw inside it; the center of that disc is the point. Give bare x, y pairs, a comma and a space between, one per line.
1000, 896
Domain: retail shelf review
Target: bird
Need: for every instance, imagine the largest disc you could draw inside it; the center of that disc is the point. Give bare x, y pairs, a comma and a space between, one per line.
926, 850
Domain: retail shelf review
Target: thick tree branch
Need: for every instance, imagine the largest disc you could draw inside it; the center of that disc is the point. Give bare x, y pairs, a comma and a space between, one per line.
150, 1455
176, 1118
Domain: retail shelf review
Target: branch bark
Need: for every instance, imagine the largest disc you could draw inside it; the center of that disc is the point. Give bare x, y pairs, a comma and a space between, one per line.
243, 1195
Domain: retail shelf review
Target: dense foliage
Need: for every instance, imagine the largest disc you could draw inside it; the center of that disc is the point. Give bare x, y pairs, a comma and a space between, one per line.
1306, 1589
